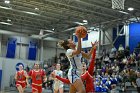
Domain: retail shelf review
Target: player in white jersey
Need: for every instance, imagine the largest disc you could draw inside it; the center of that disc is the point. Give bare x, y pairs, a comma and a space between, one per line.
58, 85
74, 55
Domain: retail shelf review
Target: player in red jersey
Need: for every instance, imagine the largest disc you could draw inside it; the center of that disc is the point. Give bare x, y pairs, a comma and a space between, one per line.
38, 76
21, 79
86, 75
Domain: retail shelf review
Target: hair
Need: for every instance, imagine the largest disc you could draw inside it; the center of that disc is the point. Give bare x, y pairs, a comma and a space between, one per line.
38, 64
21, 65
84, 63
64, 44
58, 63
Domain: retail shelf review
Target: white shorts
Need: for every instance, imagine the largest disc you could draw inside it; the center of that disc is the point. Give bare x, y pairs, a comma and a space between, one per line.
57, 86
73, 75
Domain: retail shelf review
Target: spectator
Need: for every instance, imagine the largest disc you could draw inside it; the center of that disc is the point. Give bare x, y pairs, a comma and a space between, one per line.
138, 82
127, 52
114, 90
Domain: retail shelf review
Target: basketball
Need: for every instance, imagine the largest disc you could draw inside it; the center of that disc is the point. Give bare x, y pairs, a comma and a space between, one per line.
82, 30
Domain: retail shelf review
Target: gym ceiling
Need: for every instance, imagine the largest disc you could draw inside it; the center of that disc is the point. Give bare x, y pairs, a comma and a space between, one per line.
59, 17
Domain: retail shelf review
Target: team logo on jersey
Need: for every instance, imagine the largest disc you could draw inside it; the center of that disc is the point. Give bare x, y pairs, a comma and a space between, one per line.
38, 77
20, 76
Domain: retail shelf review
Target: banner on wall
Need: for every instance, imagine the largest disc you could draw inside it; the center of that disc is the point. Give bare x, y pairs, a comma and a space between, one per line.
32, 50
0, 78
0, 74
134, 36
11, 48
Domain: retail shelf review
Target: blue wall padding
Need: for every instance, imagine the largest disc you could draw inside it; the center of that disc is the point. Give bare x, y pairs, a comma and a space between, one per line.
0, 78
32, 51
134, 35
11, 48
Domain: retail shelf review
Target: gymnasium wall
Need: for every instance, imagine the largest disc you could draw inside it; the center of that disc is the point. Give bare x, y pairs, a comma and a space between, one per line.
9, 69
120, 39
21, 47
50, 48
105, 43
92, 37
104, 38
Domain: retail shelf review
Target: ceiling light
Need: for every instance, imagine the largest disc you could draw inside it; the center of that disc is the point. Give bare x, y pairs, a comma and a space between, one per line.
8, 20
53, 29
5, 23
7, 1
130, 9
30, 13
123, 12
85, 21
48, 31
79, 23
36, 8
41, 32
5, 7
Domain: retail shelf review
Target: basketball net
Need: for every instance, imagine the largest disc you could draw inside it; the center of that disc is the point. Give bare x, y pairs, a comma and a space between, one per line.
118, 4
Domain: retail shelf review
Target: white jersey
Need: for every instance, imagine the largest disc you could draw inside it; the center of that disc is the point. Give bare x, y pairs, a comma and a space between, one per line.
75, 61
60, 74
57, 83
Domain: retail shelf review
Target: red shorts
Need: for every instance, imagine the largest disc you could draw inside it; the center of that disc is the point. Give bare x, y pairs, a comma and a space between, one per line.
23, 85
36, 88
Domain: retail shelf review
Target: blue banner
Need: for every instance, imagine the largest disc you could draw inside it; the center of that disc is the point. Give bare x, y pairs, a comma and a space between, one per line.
0, 78
11, 48
134, 36
32, 51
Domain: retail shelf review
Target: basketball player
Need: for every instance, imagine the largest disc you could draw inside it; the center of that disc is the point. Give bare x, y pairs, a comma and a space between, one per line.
21, 79
58, 85
38, 76
74, 55
86, 75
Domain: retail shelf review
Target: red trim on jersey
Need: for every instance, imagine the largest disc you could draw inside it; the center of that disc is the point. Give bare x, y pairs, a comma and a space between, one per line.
23, 85
37, 89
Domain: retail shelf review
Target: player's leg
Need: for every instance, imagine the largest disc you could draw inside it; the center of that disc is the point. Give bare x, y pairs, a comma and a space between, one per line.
61, 89
72, 89
78, 84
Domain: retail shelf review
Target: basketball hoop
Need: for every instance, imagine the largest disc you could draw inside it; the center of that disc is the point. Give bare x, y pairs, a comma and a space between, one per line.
118, 4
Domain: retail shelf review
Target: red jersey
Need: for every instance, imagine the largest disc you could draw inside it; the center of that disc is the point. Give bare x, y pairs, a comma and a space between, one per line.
89, 82
21, 76
37, 77
88, 75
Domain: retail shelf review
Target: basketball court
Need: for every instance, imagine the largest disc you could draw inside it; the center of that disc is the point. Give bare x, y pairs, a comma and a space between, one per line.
31, 29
